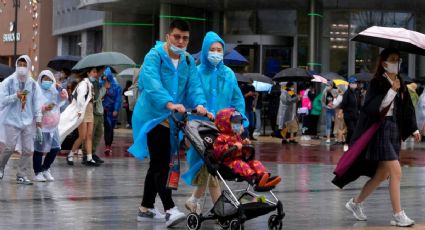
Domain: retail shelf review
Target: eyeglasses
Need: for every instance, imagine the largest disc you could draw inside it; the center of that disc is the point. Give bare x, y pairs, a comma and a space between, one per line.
177, 37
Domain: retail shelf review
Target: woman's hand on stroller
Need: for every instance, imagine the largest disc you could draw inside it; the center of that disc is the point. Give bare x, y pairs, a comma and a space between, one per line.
238, 145
176, 107
246, 141
201, 110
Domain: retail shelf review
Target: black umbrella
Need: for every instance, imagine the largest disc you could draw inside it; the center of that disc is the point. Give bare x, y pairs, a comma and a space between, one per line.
363, 76
258, 77
63, 62
389, 37
242, 78
293, 74
5, 71
332, 76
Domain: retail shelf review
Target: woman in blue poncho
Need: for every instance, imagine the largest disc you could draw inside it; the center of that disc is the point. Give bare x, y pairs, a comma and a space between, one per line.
221, 90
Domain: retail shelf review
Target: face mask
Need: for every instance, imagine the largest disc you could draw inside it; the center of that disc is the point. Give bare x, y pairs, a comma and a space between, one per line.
353, 85
22, 71
214, 58
46, 84
92, 78
236, 127
177, 50
392, 67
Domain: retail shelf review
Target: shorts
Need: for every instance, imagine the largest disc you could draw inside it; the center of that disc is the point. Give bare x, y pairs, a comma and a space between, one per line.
88, 115
202, 177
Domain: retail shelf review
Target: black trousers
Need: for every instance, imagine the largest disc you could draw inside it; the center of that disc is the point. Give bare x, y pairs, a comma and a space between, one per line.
108, 131
37, 160
351, 125
157, 175
312, 122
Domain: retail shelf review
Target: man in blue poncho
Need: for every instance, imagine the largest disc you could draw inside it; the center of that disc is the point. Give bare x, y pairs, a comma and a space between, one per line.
166, 80
111, 105
222, 91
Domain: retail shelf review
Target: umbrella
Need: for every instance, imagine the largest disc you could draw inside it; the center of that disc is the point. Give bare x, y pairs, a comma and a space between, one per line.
293, 74
258, 77
242, 78
398, 38
340, 82
332, 76
234, 58
318, 78
5, 71
363, 76
63, 62
129, 72
103, 59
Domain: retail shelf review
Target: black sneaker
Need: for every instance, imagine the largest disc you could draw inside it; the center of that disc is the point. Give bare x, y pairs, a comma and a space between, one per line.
84, 160
92, 163
98, 159
70, 160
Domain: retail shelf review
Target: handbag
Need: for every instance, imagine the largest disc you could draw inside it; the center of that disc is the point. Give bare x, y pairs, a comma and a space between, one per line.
359, 145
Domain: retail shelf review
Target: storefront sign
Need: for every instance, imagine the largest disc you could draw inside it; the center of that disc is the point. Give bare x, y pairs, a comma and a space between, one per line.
11, 37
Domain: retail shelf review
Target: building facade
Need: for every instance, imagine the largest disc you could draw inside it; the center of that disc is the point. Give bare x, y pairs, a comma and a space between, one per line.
34, 32
271, 34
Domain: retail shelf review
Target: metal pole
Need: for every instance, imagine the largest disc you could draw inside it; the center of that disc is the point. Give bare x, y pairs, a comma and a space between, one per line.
312, 42
16, 4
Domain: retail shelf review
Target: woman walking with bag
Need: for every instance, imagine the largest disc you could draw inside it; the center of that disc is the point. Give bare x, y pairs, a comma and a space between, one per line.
387, 100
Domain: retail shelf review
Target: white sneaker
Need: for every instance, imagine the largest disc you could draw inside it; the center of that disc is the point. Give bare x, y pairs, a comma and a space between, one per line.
48, 176
192, 206
356, 209
173, 217
401, 220
152, 215
345, 148
328, 141
39, 177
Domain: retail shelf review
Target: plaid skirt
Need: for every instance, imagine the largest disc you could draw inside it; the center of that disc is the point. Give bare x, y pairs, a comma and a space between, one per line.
385, 146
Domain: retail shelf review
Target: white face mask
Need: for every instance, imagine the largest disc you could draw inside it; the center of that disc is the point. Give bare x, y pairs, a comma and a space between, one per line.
392, 67
22, 71
353, 85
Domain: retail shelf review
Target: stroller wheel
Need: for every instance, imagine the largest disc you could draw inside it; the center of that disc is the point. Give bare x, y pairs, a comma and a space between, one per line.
193, 221
224, 224
235, 224
274, 222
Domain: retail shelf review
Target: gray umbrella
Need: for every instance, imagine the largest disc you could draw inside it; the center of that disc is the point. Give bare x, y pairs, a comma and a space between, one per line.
332, 76
258, 77
242, 78
129, 72
292, 74
103, 59
363, 76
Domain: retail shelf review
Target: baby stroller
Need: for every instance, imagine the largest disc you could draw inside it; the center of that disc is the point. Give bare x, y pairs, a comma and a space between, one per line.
232, 208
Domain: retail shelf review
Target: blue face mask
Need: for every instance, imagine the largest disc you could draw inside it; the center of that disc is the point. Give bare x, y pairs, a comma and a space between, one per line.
177, 50
236, 127
46, 84
214, 58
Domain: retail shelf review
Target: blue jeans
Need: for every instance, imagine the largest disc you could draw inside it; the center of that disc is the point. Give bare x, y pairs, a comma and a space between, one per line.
330, 114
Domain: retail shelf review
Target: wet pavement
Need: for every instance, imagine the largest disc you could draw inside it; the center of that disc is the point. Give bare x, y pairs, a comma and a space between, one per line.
107, 197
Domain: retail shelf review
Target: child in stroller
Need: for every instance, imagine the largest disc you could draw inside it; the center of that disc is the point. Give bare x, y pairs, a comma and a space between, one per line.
240, 161
217, 148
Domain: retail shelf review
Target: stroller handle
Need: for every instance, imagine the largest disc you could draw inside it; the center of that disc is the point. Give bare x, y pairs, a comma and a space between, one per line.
186, 114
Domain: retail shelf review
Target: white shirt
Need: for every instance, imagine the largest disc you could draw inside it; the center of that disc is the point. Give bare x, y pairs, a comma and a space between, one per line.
388, 98
175, 62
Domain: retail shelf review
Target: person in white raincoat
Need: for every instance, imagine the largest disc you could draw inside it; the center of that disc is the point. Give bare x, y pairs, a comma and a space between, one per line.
54, 98
82, 108
420, 114
20, 99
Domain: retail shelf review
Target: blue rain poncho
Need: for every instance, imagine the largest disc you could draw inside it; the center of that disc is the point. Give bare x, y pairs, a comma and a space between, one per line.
221, 89
159, 83
112, 99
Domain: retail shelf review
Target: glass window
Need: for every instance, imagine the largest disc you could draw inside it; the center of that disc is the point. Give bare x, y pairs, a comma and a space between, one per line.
241, 22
